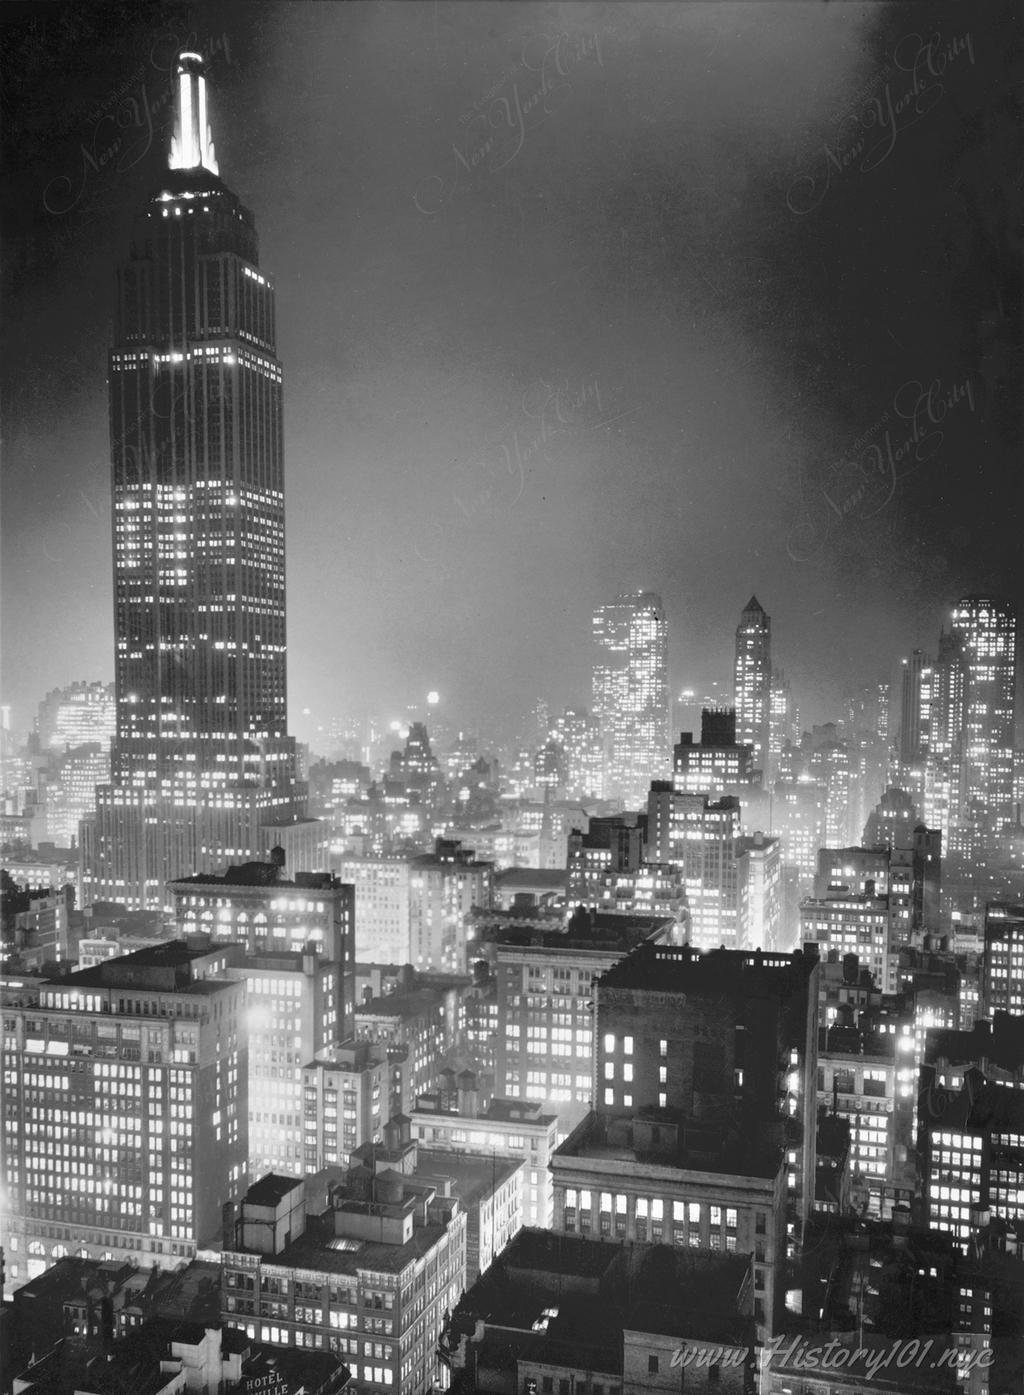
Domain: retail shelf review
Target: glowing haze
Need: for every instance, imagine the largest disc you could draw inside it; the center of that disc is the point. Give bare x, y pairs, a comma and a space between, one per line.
573, 299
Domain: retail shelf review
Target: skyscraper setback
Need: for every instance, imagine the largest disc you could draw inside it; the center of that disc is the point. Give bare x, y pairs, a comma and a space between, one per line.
754, 681
630, 693
201, 759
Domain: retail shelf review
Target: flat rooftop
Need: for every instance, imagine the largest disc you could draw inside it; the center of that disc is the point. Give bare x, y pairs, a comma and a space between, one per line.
411, 1004
159, 968
499, 1111
1001, 1043
695, 1149
589, 1292
608, 933
991, 1106
314, 1250
531, 878
665, 968
474, 1177
271, 1189
261, 876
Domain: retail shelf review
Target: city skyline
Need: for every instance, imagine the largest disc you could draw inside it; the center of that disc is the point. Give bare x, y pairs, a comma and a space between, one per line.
390, 248
491, 1037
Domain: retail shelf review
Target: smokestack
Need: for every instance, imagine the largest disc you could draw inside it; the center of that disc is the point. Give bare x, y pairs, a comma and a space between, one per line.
107, 1325
229, 1225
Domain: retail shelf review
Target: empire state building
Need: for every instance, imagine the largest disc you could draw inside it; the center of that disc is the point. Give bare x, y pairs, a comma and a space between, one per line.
203, 772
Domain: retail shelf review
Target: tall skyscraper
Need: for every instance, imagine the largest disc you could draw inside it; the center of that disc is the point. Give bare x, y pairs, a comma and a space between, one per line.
985, 632
201, 758
783, 720
630, 693
915, 712
941, 794
754, 681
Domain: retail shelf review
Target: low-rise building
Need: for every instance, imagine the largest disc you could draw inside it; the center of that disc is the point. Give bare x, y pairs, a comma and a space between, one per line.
645, 1180
855, 924
125, 1121
545, 989
369, 1279
499, 1127
345, 1099
425, 1019
381, 907
559, 1312
165, 1357
887, 1308
253, 904
972, 1156
444, 886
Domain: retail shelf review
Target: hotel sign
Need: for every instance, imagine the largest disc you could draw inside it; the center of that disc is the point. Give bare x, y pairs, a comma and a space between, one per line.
267, 1383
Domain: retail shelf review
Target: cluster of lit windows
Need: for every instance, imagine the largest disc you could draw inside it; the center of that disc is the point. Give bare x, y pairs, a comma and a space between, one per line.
691, 1221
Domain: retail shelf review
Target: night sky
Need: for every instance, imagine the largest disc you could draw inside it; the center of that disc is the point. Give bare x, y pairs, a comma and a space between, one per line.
706, 299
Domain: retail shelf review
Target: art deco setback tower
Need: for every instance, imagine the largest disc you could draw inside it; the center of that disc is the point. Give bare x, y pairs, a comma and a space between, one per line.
201, 760
630, 693
754, 681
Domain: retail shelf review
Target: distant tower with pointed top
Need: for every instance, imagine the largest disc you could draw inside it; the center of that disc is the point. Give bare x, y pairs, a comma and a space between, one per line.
754, 681
203, 771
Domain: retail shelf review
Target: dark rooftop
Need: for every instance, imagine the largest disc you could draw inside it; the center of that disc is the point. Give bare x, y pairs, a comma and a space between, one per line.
79, 1364
984, 1105
412, 1004
561, 1297
311, 1371
1001, 1042
608, 933
271, 1189
554, 879
690, 1147
667, 967
260, 874
163, 967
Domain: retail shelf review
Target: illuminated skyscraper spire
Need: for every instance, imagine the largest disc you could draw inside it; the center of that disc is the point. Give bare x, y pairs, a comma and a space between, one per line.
192, 142
203, 771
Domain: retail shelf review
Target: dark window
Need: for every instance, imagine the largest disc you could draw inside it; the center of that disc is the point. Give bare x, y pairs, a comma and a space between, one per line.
652, 1365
